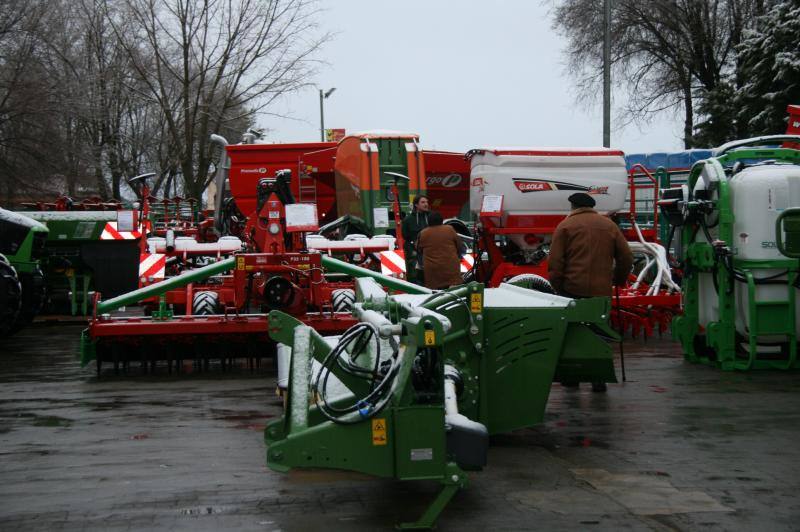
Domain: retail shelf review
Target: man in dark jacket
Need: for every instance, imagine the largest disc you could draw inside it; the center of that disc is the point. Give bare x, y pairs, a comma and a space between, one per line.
412, 224
588, 254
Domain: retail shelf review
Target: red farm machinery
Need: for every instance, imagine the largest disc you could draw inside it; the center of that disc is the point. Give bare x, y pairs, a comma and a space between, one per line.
213, 304
518, 197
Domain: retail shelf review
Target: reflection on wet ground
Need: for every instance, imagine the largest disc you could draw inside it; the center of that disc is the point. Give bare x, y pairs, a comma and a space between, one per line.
677, 446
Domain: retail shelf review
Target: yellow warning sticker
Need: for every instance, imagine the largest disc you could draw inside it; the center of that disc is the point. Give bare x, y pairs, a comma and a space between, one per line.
379, 431
240, 263
430, 338
476, 303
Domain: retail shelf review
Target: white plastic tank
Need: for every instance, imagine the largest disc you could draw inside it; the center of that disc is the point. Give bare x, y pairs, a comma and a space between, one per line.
759, 194
539, 180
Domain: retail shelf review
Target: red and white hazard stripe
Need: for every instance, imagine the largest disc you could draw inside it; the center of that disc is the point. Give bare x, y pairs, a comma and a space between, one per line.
467, 261
152, 267
110, 232
394, 263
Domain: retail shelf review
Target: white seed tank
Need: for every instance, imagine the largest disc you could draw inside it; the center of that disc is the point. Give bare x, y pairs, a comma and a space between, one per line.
537, 182
758, 195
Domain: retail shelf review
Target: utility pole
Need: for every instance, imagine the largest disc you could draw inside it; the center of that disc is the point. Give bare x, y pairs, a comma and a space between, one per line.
323, 95
607, 73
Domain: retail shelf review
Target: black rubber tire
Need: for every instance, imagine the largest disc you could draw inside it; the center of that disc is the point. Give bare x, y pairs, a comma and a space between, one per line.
205, 303
10, 297
532, 282
459, 226
343, 299
34, 296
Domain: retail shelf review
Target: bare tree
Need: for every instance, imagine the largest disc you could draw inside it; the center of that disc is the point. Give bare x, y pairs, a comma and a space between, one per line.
22, 97
666, 55
210, 63
97, 87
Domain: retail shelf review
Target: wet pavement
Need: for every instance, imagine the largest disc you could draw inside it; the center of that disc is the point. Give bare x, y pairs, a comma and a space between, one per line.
677, 447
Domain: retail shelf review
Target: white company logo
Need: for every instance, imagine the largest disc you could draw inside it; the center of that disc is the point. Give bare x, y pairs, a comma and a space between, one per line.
446, 181
261, 170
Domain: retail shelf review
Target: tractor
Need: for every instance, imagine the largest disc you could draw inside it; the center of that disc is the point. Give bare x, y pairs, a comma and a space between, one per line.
22, 286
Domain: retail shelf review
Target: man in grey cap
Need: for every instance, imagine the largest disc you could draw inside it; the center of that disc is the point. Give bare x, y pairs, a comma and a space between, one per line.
588, 254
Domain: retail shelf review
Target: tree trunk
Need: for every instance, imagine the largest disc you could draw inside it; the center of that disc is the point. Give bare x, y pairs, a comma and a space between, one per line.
100, 180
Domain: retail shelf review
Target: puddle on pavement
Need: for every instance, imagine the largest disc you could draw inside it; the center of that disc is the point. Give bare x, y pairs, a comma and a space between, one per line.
583, 441
258, 427
243, 419
51, 421
238, 415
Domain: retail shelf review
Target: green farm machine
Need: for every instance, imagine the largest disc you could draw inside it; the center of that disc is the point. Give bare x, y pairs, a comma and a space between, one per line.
78, 250
738, 220
22, 289
414, 390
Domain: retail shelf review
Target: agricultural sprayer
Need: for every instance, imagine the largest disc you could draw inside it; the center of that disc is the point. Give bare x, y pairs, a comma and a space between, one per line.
738, 221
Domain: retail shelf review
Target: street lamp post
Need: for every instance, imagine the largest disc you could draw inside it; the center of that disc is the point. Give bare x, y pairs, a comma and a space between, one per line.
607, 73
323, 95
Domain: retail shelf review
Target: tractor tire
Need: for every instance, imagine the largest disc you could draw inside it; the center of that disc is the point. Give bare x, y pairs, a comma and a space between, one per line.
34, 296
532, 281
343, 299
205, 303
10, 296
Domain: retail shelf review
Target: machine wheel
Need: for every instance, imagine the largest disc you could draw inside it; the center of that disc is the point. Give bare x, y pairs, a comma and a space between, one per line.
343, 299
532, 282
32, 300
10, 296
460, 227
205, 303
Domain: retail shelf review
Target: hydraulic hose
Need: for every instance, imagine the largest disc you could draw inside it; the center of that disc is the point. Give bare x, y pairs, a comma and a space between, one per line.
380, 386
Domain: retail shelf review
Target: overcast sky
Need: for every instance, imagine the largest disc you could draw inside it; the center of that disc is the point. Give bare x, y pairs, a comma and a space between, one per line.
461, 74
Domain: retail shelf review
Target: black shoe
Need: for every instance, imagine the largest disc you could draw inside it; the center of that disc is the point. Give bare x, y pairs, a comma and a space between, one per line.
571, 385
599, 387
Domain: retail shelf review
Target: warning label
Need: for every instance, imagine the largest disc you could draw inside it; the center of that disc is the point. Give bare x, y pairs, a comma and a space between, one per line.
379, 431
430, 338
476, 303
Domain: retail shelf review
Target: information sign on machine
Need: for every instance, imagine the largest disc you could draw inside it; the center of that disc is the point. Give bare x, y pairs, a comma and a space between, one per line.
301, 217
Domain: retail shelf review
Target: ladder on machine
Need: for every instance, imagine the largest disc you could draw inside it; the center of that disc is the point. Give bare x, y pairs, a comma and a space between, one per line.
307, 185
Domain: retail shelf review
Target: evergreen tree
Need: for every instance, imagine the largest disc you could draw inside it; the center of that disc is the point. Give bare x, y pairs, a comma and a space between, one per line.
718, 122
769, 65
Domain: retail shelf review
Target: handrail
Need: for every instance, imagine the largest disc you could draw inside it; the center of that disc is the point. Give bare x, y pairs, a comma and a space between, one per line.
632, 187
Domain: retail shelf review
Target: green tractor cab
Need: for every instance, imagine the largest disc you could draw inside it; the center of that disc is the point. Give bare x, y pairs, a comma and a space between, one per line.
22, 288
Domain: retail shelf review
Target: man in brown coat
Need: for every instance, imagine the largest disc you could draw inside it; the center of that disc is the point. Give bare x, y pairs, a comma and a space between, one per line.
587, 255
588, 252
440, 250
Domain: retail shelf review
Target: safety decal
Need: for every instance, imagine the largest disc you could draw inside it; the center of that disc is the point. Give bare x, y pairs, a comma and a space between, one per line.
379, 431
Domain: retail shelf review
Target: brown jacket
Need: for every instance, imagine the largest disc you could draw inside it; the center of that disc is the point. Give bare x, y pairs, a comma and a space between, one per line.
587, 254
440, 249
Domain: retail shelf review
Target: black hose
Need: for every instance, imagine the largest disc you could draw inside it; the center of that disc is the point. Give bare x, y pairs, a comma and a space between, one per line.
380, 387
